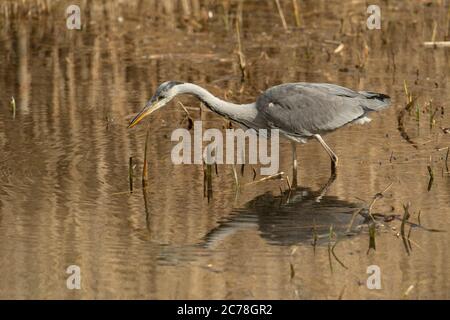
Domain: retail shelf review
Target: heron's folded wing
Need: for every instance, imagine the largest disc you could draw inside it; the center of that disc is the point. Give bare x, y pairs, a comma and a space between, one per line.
305, 110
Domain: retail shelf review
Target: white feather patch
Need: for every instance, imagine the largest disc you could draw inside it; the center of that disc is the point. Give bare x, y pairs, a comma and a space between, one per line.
362, 120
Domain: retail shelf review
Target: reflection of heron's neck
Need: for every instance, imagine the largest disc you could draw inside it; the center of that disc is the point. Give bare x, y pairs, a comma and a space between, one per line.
238, 112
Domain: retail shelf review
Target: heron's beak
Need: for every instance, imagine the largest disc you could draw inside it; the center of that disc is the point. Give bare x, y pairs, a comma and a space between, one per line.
151, 107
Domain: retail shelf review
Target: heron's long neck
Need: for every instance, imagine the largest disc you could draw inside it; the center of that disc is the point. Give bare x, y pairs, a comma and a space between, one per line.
239, 112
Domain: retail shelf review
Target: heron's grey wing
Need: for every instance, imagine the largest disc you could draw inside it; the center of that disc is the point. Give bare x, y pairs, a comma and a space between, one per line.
370, 101
304, 109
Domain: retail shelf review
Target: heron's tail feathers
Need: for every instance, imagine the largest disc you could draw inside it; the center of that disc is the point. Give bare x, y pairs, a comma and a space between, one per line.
375, 101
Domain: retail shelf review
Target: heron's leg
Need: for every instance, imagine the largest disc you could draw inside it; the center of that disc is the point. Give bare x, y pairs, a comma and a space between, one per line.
294, 164
333, 156
323, 191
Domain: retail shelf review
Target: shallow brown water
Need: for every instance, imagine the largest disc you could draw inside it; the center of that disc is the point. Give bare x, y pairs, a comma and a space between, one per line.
64, 158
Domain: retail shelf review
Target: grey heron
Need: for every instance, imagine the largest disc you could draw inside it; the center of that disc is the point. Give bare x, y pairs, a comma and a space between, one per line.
300, 111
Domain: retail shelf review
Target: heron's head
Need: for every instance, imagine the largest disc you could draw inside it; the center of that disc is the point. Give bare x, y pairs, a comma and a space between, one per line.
165, 92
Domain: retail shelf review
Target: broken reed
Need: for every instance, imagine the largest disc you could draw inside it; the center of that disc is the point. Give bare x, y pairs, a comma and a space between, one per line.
428, 107
410, 100
331, 247
235, 176
315, 237
280, 12
431, 113
446, 159
405, 219
336, 257
278, 175
296, 12
240, 53
292, 270
13, 107
330, 239
372, 233
430, 173
130, 173
417, 114
207, 180
409, 97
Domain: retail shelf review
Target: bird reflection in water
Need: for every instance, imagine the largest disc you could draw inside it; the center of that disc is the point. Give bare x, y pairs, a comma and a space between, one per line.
296, 216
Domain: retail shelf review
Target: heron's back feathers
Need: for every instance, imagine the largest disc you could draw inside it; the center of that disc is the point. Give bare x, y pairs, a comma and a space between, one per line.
305, 109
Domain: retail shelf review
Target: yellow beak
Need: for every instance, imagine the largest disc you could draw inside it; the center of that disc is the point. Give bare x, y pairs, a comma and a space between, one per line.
149, 109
